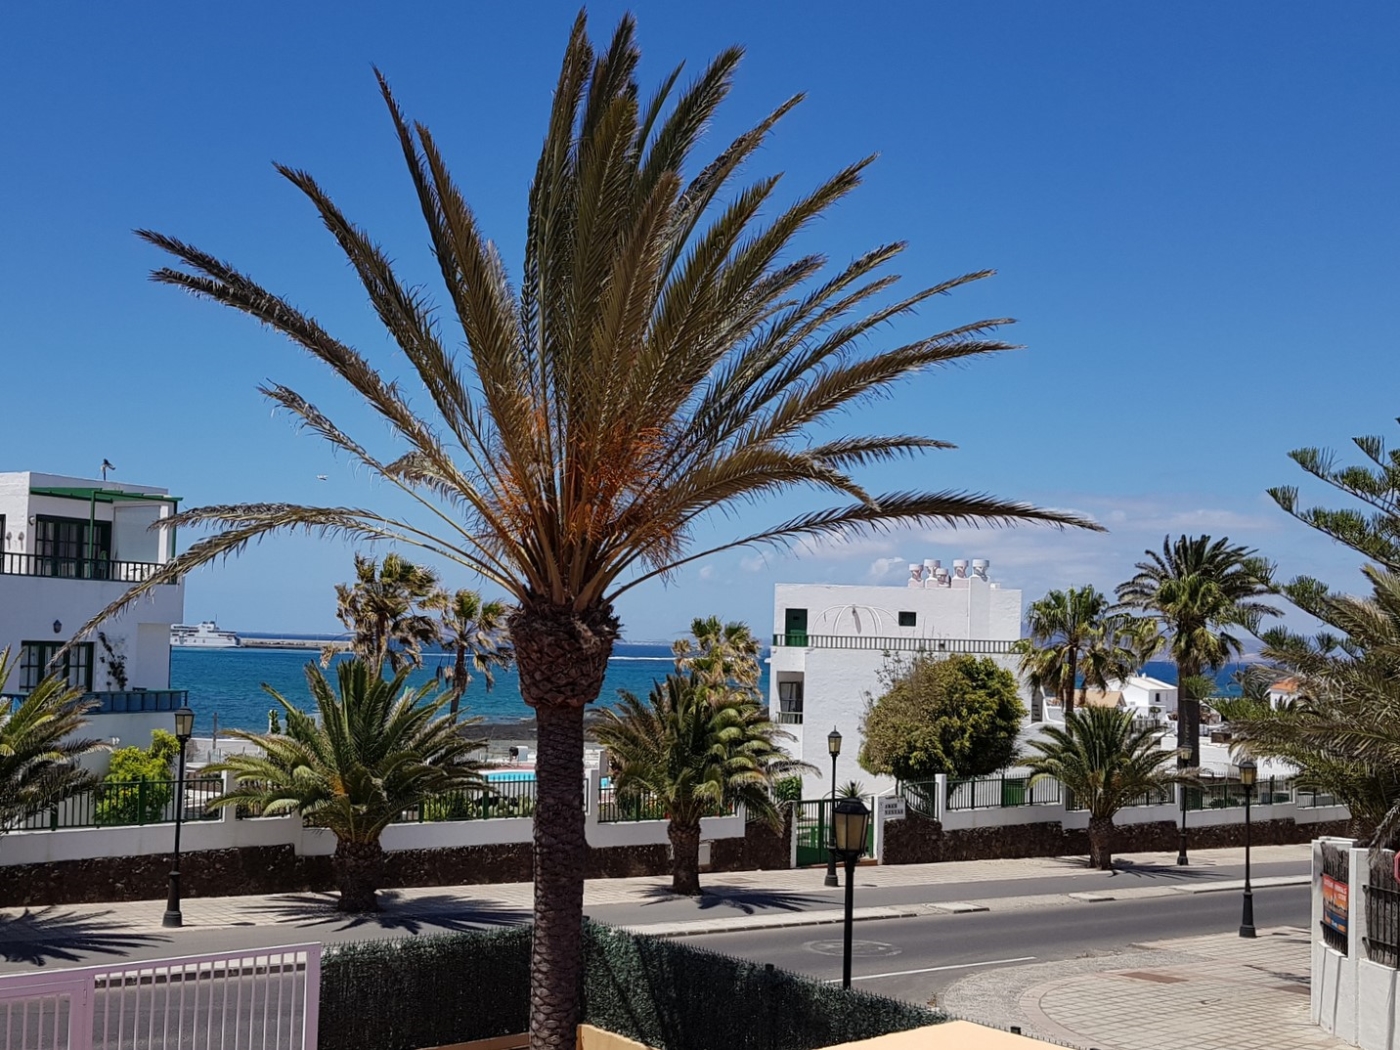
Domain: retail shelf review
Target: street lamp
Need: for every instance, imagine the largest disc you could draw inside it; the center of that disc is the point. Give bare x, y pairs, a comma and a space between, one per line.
850, 819
1248, 772
833, 745
184, 729
1183, 758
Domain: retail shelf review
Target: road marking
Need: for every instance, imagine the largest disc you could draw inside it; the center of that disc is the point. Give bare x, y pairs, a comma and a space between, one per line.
936, 969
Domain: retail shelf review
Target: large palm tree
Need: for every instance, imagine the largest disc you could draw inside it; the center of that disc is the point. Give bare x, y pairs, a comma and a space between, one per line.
383, 610
720, 655
475, 633
1203, 595
40, 746
376, 750
664, 354
1105, 764
696, 750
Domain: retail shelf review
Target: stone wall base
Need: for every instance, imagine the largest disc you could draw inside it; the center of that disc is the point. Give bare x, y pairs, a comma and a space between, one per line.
918, 840
277, 869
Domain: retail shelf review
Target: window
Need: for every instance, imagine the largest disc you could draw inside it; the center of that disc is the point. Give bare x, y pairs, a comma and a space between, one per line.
62, 547
35, 658
790, 702
908, 619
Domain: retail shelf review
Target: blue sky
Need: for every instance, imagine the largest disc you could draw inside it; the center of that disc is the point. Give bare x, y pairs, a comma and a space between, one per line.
1190, 206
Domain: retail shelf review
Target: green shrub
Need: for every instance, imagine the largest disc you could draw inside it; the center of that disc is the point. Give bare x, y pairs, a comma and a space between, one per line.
788, 789
425, 991
139, 782
434, 991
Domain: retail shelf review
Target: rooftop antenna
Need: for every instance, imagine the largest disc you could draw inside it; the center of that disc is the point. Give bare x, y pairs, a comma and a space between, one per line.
106, 466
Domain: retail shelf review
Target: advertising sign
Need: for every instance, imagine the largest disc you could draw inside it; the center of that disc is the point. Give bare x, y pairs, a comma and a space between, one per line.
1334, 904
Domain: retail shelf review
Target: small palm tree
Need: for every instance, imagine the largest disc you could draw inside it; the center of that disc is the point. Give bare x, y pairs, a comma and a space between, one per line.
40, 746
382, 610
1073, 638
696, 751
376, 750
1105, 764
475, 633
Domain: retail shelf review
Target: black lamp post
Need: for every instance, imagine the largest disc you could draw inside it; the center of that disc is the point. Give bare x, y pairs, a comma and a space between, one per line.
184, 729
1248, 773
850, 819
1183, 759
833, 745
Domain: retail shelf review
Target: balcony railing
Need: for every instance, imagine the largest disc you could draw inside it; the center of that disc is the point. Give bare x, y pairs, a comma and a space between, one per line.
128, 702
15, 563
877, 643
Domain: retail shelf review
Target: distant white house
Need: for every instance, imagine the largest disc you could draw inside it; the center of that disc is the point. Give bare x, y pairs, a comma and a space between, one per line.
1147, 698
69, 547
830, 643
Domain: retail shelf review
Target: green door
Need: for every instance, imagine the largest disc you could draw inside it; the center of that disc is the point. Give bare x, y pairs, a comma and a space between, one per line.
795, 626
813, 831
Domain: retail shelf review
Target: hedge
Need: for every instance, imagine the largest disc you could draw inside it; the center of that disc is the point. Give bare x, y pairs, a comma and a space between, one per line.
430, 991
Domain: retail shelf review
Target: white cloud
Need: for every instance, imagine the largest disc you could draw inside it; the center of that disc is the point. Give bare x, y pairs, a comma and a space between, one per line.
706, 572
753, 563
884, 568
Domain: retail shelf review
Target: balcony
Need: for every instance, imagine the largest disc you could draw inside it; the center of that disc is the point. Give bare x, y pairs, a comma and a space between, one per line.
127, 702
14, 563
876, 643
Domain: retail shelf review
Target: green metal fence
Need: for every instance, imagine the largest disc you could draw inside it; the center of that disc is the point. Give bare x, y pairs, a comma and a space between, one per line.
497, 800
813, 830
126, 803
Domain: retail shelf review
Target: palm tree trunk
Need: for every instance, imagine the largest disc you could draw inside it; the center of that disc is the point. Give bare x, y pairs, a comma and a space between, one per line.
1101, 843
459, 678
1067, 682
359, 869
562, 657
685, 857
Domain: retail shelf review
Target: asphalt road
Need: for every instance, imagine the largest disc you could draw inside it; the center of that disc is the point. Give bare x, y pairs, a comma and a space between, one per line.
736, 900
917, 958
61, 937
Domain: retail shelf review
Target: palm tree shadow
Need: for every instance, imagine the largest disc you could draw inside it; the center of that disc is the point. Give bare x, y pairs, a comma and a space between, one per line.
746, 901
415, 915
48, 935
1165, 872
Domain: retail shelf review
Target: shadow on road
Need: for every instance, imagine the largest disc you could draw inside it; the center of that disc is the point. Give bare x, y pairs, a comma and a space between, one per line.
1168, 872
50, 935
747, 901
411, 915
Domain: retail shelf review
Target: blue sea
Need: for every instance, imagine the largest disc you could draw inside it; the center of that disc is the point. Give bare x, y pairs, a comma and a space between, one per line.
228, 682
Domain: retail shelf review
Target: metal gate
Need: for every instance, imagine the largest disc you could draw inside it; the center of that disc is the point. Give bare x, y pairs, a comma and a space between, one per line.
259, 999
814, 831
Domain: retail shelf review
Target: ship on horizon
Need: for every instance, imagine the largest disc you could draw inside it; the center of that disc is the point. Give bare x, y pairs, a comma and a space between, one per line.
205, 635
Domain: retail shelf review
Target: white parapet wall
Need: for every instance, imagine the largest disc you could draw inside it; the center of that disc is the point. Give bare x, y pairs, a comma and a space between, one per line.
1354, 998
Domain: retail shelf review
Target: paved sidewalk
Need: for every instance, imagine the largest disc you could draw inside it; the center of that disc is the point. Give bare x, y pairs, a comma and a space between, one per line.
1219, 992
503, 903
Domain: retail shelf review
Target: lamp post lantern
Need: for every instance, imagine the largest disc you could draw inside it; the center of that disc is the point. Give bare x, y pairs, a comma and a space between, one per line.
184, 729
1183, 760
833, 746
850, 819
1248, 774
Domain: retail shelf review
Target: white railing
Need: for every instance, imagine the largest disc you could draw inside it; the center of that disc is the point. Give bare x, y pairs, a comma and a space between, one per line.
259, 999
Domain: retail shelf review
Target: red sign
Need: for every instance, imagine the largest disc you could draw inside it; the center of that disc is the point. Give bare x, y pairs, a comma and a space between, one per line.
1334, 904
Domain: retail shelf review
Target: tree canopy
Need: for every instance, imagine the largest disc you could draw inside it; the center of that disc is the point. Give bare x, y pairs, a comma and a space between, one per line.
958, 716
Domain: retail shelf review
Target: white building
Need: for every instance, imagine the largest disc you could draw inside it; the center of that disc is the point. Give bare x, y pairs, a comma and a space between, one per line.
830, 643
68, 548
1147, 698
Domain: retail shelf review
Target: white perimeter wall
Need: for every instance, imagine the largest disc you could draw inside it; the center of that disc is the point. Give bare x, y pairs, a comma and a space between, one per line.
227, 832
1353, 998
